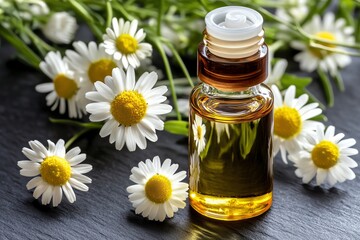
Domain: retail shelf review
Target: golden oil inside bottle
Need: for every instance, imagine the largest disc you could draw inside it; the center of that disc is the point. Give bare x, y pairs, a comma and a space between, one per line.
230, 149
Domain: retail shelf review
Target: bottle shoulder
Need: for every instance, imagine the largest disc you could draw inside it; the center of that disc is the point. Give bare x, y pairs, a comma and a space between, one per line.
254, 103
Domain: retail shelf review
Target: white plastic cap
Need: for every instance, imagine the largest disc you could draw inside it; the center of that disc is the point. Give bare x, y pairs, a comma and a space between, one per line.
233, 23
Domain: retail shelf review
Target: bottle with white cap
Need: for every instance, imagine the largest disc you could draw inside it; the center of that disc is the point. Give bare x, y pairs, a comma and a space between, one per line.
231, 119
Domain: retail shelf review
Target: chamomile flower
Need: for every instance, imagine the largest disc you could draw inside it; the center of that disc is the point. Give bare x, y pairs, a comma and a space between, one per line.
130, 109
158, 192
60, 28
64, 86
311, 58
276, 72
291, 121
326, 156
124, 42
194, 172
55, 171
199, 130
91, 64
297, 11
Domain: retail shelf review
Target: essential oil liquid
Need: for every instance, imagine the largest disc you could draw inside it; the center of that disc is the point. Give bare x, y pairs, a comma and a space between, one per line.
230, 151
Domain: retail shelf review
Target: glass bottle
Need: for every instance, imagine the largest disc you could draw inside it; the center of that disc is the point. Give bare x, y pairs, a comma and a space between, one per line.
231, 119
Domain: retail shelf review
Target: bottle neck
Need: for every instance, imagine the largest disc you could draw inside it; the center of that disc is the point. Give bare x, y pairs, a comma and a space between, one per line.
232, 74
242, 93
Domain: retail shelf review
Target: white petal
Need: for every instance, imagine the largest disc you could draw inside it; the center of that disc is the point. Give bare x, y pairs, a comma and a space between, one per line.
289, 95
78, 185
82, 168
57, 196
60, 148
348, 161
346, 143
130, 79
81, 178
77, 159
108, 127
104, 91
72, 153
36, 181
321, 176
69, 192
47, 195
29, 173
45, 87
120, 138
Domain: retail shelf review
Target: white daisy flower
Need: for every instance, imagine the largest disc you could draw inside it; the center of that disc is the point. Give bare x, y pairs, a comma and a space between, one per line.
130, 109
276, 72
124, 42
199, 130
63, 88
327, 156
59, 171
39, 8
194, 174
60, 28
158, 192
311, 58
291, 121
90, 64
296, 13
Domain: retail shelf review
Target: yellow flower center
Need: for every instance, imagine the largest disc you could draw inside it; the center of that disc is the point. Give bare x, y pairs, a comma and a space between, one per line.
100, 69
128, 108
158, 189
287, 122
65, 87
55, 170
126, 44
199, 132
325, 154
326, 36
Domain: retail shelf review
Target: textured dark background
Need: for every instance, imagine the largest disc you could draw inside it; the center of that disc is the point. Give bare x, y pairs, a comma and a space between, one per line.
298, 212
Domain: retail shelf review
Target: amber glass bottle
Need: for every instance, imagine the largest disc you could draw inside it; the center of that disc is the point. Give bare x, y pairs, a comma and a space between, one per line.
231, 119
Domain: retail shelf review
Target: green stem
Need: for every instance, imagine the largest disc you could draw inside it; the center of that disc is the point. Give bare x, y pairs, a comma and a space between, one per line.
329, 93
81, 11
32, 58
76, 123
313, 38
313, 11
276, 19
181, 63
314, 99
169, 75
205, 6
42, 46
159, 18
357, 31
75, 137
333, 50
274, 4
122, 10
276, 45
339, 81
109, 11
324, 7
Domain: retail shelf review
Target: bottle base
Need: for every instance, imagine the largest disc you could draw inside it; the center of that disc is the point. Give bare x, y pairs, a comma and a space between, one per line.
230, 209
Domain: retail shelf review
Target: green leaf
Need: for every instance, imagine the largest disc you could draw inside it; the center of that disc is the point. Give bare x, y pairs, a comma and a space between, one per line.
300, 82
177, 127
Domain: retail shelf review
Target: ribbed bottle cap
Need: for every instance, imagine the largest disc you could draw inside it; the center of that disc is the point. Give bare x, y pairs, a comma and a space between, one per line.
233, 32
233, 23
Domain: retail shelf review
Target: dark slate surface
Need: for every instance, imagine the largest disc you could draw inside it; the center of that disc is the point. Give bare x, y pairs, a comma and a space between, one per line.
298, 212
